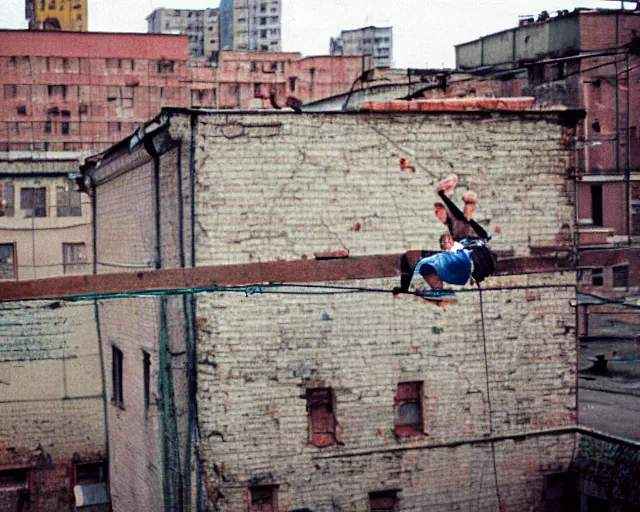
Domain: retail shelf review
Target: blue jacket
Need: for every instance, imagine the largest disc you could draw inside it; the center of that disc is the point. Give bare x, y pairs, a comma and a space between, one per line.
451, 267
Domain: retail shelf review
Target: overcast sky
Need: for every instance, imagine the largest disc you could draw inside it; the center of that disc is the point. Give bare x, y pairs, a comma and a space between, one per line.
424, 31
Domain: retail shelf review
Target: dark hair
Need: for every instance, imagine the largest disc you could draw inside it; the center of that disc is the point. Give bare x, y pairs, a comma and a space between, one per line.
438, 205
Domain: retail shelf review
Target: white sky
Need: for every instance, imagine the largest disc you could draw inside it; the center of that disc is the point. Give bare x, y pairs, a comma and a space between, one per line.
424, 31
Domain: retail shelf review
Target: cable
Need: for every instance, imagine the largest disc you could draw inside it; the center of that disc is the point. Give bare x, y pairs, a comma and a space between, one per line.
486, 367
272, 288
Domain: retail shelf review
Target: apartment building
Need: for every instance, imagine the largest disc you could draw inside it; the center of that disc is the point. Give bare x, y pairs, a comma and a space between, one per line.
372, 41
201, 26
67, 15
251, 25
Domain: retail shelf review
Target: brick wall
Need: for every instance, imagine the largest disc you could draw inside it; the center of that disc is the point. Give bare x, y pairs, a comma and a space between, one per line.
259, 353
271, 187
135, 460
51, 412
284, 186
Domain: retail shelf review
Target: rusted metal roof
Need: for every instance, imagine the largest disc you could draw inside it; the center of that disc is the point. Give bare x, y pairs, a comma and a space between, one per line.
451, 104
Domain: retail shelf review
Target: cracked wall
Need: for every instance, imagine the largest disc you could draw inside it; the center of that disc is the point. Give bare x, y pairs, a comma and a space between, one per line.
278, 186
258, 353
51, 406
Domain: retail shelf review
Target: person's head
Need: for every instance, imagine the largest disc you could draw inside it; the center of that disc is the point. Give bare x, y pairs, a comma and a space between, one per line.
470, 199
446, 241
440, 211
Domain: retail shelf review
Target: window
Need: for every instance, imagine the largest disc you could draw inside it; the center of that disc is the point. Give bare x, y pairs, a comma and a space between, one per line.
560, 492
321, 417
596, 205
14, 488
597, 278
34, 201
6, 199
116, 371
408, 420
292, 83
264, 498
146, 375
263, 34
90, 473
165, 66
10, 91
383, 501
21, 110
621, 276
74, 258
7, 261
57, 91
66, 125
68, 200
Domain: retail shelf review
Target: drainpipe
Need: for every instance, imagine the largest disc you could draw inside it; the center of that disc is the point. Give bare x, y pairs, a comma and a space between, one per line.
628, 167
193, 381
96, 315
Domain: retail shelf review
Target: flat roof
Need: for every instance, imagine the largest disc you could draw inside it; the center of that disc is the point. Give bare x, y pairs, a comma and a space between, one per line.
124, 45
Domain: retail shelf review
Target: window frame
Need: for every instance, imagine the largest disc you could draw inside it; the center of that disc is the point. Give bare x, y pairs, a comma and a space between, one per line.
378, 501
34, 192
618, 286
68, 266
321, 407
405, 395
258, 492
65, 206
14, 271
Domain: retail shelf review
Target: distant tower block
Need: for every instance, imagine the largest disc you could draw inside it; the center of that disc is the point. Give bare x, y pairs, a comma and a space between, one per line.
67, 15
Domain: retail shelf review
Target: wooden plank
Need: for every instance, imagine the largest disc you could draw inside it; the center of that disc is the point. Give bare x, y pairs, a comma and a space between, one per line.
294, 272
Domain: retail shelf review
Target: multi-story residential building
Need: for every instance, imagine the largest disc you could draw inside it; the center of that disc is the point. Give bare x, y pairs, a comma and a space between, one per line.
68, 15
45, 224
201, 26
374, 41
352, 401
251, 25
86, 91
584, 59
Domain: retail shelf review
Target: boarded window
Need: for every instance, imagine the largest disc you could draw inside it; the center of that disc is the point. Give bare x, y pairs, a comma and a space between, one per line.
116, 374
33, 200
383, 501
408, 404
74, 257
7, 261
621, 276
321, 417
68, 200
7, 199
264, 498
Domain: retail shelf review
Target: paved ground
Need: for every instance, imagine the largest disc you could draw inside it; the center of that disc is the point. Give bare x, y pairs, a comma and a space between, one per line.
609, 401
613, 413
